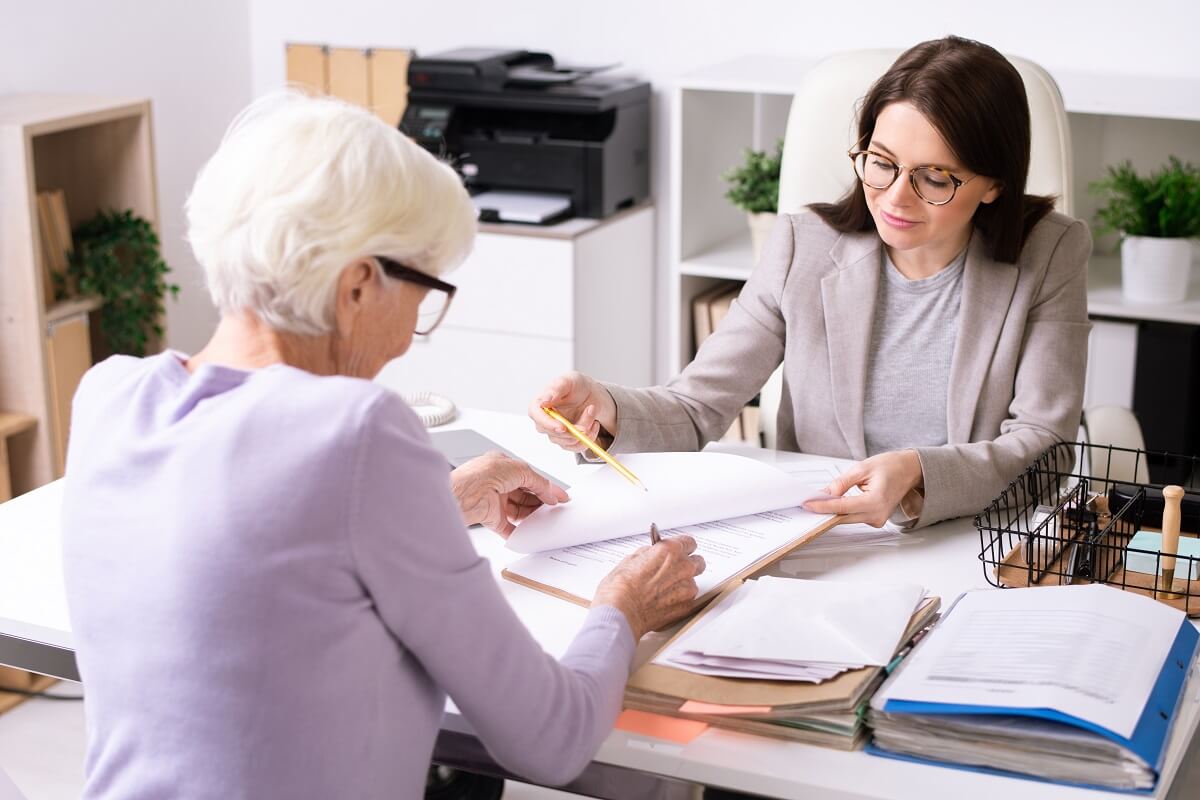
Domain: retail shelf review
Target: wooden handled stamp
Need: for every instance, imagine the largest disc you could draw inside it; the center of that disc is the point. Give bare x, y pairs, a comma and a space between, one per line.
1172, 497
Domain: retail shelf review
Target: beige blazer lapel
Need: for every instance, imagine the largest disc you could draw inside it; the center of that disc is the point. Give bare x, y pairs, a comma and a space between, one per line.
986, 296
848, 297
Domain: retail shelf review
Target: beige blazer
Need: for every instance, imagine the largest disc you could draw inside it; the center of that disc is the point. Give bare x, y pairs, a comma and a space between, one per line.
1016, 378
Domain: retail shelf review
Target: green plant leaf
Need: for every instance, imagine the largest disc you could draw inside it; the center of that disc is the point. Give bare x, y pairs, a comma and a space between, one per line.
1164, 204
117, 257
754, 186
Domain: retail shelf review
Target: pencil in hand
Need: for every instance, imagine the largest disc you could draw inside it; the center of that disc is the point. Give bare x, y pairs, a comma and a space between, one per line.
595, 448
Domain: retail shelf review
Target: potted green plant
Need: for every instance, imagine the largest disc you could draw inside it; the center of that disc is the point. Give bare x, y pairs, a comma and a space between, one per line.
1156, 216
117, 259
754, 188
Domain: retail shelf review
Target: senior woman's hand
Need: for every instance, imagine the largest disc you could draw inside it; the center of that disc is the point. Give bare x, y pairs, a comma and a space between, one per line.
496, 491
653, 586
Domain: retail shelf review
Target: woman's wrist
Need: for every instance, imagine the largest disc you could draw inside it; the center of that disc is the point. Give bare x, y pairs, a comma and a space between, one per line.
606, 413
916, 472
628, 609
912, 503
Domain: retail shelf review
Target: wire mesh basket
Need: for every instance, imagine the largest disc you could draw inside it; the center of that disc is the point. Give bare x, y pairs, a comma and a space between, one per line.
1085, 513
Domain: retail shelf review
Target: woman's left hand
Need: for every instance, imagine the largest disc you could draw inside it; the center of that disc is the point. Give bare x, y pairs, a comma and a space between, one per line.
496, 491
884, 480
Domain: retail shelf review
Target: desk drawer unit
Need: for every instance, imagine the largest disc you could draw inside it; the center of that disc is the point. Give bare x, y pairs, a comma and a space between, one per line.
533, 303
480, 369
513, 284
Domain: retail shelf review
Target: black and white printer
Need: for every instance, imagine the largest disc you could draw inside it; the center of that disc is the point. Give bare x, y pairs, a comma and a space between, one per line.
534, 142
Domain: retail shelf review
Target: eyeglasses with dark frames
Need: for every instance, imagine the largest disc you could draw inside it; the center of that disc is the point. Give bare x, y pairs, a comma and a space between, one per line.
934, 185
433, 308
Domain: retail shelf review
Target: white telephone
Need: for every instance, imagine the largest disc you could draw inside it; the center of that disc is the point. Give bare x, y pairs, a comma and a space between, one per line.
432, 409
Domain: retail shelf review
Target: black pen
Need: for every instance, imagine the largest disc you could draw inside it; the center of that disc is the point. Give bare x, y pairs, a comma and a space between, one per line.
655, 538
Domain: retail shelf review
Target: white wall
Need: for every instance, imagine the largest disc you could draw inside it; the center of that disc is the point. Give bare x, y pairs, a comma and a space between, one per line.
191, 59
201, 62
660, 39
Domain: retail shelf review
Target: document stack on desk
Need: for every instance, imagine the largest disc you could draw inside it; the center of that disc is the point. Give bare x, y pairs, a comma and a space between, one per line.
744, 515
797, 630
1072, 684
786, 658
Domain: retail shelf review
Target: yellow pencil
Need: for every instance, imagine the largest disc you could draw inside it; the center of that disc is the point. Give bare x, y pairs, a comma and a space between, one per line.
595, 448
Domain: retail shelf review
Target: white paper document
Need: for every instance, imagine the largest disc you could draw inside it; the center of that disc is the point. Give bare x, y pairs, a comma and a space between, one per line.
681, 489
855, 537
532, 207
740, 511
727, 546
792, 629
1091, 652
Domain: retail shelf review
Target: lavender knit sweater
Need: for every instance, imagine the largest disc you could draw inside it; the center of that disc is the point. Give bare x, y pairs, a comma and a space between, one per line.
272, 593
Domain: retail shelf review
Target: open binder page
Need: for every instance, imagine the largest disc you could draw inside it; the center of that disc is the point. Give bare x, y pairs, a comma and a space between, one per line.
682, 489
1090, 652
729, 548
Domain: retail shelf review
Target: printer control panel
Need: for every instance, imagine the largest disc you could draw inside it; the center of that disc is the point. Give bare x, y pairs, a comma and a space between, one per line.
432, 122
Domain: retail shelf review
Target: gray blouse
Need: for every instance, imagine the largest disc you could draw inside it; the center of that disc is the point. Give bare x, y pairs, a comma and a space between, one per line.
912, 344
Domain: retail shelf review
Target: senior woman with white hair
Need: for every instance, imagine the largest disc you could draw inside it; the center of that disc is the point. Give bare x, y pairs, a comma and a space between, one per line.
270, 584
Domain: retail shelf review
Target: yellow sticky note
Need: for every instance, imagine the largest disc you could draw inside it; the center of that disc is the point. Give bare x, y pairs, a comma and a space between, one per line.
680, 731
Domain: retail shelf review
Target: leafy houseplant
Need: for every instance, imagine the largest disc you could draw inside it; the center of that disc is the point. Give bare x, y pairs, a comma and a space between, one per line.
117, 258
1155, 216
754, 188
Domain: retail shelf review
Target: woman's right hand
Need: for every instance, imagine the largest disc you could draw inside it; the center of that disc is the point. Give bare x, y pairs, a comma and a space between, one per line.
580, 399
653, 586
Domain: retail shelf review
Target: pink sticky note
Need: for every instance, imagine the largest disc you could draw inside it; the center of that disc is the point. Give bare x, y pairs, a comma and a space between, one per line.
680, 731
693, 707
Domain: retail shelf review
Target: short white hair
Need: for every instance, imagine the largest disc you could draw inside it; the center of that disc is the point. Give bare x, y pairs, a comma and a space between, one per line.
299, 188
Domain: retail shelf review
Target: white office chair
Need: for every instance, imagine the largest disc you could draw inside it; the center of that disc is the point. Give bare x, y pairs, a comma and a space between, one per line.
822, 126
1116, 426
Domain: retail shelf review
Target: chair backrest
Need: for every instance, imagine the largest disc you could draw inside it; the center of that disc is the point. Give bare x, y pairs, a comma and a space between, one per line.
1112, 425
822, 126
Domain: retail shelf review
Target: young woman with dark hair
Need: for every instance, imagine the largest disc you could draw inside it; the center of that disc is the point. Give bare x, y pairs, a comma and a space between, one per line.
964, 89
932, 324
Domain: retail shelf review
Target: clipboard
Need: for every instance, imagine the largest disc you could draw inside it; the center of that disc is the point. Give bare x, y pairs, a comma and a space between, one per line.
730, 583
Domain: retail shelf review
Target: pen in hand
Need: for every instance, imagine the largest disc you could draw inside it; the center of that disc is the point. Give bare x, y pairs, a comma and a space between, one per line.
655, 536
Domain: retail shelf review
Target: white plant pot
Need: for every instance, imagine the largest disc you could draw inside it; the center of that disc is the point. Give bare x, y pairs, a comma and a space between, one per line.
760, 227
1155, 270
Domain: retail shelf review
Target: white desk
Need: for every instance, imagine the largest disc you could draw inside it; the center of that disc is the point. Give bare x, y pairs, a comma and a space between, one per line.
944, 558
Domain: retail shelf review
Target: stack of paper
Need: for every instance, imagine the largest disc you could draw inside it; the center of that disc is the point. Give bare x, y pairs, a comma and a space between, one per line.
797, 630
855, 537
829, 713
1078, 684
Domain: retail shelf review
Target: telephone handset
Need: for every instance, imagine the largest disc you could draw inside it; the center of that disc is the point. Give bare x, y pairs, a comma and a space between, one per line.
432, 409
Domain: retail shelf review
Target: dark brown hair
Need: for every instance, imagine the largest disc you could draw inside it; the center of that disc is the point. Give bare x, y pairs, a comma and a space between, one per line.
976, 100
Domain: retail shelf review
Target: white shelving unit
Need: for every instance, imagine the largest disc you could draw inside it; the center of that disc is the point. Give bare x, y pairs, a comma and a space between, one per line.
1113, 345
718, 111
1105, 298
100, 152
